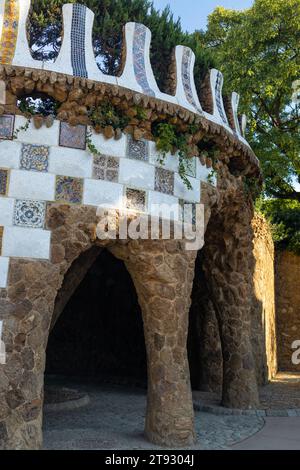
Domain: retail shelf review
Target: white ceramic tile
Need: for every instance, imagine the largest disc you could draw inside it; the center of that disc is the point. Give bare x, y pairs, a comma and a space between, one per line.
22, 242
10, 152
70, 162
136, 174
112, 147
104, 193
171, 162
163, 205
4, 265
31, 185
43, 136
6, 210
182, 192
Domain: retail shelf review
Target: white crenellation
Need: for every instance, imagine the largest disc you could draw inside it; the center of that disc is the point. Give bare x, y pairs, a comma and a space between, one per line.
76, 58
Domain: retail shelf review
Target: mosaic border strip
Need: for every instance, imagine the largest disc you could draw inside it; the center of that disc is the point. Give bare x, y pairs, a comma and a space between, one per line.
78, 41
139, 40
9, 31
219, 98
4, 183
187, 79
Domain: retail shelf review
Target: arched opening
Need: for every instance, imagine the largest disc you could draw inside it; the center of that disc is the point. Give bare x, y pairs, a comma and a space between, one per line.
97, 333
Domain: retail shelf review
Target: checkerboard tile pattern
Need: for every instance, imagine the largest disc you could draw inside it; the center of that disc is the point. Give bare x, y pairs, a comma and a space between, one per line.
106, 168
7, 123
68, 189
34, 157
137, 149
72, 136
29, 213
4, 177
136, 200
164, 181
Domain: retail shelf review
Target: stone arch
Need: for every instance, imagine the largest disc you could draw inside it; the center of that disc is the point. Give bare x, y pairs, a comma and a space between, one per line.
162, 272
97, 327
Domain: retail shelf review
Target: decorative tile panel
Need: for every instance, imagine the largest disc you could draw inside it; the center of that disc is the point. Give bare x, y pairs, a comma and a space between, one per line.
219, 99
78, 41
72, 136
187, 78
7, 126
191, 168
137, 149
106, 168
34, 157
69, 189
136, 199
139, 59
9, 35
29, 213
1, 238
4, 176
164, 181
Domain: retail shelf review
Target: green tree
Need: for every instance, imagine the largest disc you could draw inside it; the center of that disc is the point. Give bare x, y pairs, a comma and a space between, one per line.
110, 17
258, 50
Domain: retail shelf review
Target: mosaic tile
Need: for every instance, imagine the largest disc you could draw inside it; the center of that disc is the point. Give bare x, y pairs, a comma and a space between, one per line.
7, 123
4, 176
78, 41
68, 189
187, 78
219, 99
139, 65
34, 157
136, 200
106, 168
1, 238
29, 213
186, 204
137, 149
164, 181
72, 136
9, 34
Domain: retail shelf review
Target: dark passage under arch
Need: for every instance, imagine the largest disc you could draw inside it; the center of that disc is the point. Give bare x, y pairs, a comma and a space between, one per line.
99, 333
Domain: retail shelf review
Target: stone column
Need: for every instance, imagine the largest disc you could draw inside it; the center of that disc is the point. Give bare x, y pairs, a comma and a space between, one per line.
229, 266
163, 274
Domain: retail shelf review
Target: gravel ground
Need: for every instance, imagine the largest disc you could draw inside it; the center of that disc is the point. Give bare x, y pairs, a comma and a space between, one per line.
114, 419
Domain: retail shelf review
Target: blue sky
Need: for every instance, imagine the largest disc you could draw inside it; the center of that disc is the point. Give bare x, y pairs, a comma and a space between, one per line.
193, 13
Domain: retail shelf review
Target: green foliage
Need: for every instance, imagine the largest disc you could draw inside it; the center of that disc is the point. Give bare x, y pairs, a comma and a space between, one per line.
284, 217
169, 140
110, 17
107, 114
258, 50
21, 128
89, 143
42, 105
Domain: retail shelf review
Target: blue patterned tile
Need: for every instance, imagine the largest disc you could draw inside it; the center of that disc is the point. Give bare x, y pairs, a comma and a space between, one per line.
68, 189
137, 149
34, 158
7, 123
29, 214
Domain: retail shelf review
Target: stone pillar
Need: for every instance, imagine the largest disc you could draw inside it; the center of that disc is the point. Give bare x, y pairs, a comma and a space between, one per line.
229, 266
163, 274
26, 310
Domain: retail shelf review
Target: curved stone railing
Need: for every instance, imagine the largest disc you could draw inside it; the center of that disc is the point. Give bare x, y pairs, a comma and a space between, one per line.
76, 58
